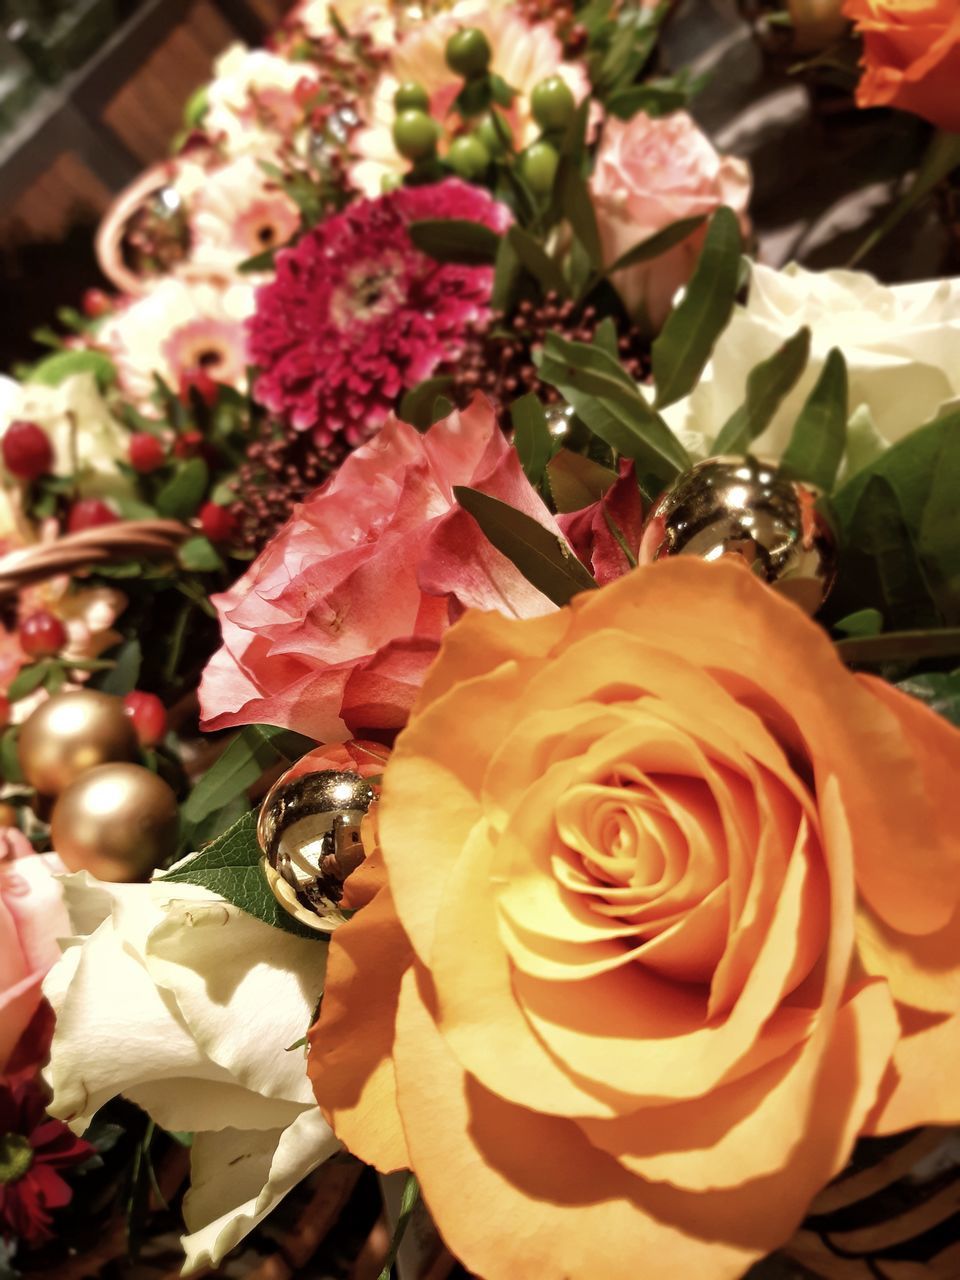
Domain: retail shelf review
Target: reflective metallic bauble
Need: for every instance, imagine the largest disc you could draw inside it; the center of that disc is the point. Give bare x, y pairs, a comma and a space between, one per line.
746, 507
560, 421
309, 831
73, 732
118, 821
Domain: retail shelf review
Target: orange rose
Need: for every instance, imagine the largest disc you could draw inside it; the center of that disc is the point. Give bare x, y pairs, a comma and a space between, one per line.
911, 57
671, 918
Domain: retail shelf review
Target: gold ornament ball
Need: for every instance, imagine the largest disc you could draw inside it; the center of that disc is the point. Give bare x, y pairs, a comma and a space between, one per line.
746, 507
117, 821
73, 732
309, 831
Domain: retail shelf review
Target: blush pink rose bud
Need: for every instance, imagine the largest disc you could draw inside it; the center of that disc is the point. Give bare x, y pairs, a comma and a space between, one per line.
606, 535
649, 174
331, 630
32, 918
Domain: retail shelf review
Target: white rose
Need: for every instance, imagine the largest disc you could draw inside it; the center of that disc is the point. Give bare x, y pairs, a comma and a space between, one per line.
87, 440
901, 345
186, 1006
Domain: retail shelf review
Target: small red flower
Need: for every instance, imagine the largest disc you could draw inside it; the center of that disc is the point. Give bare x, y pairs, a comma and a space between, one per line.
34, 1149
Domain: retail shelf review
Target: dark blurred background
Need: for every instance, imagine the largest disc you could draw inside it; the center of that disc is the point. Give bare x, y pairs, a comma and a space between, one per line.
91, 93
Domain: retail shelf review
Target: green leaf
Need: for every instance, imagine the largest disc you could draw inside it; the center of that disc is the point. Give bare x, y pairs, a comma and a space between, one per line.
767, 386
455, 240
606, 338
9, 755
258, 748
576, 482
606, 398
122, 678
900, 646
542, 558
865, 622
820, 433
408, 1202
573, 198
692, 328
182, 494
57, 368
537, 261
939, 690
657, 244
938, 539
940, 159
506, 272
531, 436
199, 555
27, 679
266, 260
230, 866
195, 108
502, 93
419, 405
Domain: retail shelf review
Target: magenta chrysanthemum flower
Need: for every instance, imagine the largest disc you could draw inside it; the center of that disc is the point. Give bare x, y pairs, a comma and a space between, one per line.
357, 314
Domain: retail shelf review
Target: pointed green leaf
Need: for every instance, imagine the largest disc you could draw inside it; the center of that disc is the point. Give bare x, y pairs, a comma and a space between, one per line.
542, 558
938, 539
531, 436
607, 399
865, 622
768, 384
573, 198
184, 491
820, 433
657, 244
537, 261
606, 338
506, 272
692, 328
455, 240
57, 368
576, 482
939, 690
122, 678
258, 748
419, 404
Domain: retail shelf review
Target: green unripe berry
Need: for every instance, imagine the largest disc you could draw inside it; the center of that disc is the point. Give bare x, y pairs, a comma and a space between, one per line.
538, 165
411, 97
415, 134
494, 134
552, 103
390, 182
469, 53
468, 157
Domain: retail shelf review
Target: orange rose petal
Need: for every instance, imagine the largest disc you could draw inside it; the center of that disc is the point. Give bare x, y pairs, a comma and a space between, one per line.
522, 1196
350, 1061
921, 1085
855, 737
922, 972
773, 1119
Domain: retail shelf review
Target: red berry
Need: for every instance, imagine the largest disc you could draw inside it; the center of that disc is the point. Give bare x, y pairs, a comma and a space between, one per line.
89, 513
200, 381
148, 714
96, 303
146, 452
218, 523
42, 634
27, 451
188, 444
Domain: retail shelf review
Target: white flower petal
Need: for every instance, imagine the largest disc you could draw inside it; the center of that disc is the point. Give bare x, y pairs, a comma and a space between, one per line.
215, 959
237, 1178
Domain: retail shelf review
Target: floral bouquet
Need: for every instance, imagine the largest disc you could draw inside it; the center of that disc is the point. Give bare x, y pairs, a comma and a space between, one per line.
480, 739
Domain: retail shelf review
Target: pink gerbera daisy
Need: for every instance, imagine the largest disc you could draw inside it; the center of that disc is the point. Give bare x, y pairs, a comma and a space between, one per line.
357, 314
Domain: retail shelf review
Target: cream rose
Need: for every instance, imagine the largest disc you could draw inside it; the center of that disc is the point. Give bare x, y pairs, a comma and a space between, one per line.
185, 1005
649, 174
87, 440
901, 345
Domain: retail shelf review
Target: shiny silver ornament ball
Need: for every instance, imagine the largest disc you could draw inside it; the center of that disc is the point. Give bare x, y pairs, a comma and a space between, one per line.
309, 832
746, 507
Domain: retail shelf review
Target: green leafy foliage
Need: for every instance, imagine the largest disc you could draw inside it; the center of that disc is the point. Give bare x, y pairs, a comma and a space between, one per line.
534, 259
768, 384
426, 403
531, 436
230, 866
657, 244
199, 555
542, 558
576, 481
573, 197
64, 364
939, 690
820, 434
692, 328
184, 491
408, 1202
258, 748
455, 240
122, 678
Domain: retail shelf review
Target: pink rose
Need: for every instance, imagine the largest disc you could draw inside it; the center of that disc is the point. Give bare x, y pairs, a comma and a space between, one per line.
332, 628
606, 535
32, 918
651, 173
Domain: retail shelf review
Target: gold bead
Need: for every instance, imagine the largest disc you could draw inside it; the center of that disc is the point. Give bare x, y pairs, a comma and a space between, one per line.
73, 732
117, 821
309, 831
746, 507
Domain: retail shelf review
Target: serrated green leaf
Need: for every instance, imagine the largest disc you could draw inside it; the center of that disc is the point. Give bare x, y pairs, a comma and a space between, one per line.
683, 348
230, 867
820, 433
576, 482
258, 748
542, 558
939, 690
537, 261
607, 399
768, 384
531, 436
57, 368
657, 244
199, 555
455, 240
184, 491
